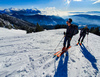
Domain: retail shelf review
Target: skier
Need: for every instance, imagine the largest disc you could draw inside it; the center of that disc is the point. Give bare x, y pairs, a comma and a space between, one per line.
68, 34
83, 33
71, 30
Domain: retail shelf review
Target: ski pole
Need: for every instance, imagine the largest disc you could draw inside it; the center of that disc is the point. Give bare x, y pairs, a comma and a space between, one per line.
58, 44
87, 40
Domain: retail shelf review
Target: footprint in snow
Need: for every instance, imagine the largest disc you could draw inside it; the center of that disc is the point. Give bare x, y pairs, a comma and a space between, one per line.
73, 60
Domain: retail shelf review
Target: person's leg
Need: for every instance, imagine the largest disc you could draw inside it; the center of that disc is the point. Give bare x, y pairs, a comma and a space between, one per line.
83, 38
79, 38
64, 44
68, 43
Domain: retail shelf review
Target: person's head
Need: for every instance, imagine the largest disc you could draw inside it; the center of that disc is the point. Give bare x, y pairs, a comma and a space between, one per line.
86, 26
69, 21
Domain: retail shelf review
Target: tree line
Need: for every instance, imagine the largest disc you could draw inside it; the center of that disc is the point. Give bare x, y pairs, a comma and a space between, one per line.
28, 29
12, 22
93, 30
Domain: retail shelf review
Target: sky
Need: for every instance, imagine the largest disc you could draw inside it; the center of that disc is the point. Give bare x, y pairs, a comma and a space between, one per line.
60, 6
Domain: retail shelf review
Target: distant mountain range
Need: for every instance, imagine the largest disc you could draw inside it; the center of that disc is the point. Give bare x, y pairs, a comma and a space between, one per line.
84, 19
89, 12
7, 21
34, 16
12, 11
93, 12
41, 19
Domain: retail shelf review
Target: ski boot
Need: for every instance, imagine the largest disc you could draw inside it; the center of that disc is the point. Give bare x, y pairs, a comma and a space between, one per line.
80, 43
77, 43
64, 48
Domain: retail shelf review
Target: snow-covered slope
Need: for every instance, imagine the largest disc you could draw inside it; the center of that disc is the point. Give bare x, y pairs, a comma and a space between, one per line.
4, 32
31, 55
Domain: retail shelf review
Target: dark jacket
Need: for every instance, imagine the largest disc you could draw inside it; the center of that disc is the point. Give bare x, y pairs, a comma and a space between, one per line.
84, 31
69, 31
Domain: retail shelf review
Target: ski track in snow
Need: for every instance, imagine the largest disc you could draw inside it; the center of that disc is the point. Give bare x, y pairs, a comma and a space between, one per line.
31, 55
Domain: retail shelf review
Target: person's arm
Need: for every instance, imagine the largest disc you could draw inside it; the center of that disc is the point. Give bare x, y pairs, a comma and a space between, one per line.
64, 33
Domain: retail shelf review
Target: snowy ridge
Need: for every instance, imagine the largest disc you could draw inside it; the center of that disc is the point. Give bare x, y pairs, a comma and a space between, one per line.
31, 55
12, 10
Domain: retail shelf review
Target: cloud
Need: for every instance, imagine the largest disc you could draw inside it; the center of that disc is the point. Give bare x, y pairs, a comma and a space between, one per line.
1, 8
53, 11
77, 0
68, 1
96, 1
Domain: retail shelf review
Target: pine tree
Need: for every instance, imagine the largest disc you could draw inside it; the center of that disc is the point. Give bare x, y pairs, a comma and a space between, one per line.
1, 24
91, 30
95, 30
39, 28
15, 26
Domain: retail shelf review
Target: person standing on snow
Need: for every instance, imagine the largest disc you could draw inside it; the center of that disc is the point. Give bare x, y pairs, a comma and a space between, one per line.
68, 34
83, 33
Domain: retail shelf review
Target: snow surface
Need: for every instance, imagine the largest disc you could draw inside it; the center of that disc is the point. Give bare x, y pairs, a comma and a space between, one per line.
4, 32
31, 55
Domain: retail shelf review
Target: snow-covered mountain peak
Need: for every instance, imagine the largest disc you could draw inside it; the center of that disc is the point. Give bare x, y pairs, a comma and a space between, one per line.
11, 10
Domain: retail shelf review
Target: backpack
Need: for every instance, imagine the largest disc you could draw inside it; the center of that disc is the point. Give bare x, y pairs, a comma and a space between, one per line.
75, 27
84, 31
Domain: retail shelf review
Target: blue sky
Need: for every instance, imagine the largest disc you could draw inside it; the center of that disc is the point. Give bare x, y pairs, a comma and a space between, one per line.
62, 5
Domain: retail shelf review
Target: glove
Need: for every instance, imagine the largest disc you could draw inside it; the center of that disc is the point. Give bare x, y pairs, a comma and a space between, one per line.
87, 33
64, 33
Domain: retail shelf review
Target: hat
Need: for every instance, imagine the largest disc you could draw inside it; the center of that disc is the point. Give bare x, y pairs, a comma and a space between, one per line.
69, 20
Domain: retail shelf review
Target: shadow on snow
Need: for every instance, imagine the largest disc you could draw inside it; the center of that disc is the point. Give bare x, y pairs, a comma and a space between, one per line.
89, 57
61, 70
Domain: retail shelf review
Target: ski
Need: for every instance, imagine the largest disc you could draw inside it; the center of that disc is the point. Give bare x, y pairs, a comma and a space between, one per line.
55, 54
58, 55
